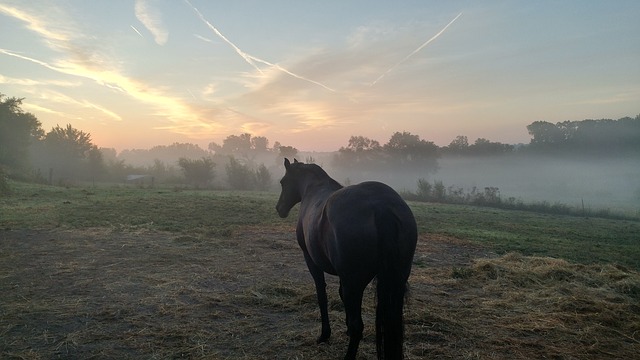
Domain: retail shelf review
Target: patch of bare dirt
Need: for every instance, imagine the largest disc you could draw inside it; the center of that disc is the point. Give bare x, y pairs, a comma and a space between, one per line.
104, 293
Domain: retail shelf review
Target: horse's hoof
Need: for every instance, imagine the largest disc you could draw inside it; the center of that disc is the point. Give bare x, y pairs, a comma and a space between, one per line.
323, 338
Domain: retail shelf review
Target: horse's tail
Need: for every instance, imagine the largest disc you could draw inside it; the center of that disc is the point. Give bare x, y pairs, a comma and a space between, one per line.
390, 289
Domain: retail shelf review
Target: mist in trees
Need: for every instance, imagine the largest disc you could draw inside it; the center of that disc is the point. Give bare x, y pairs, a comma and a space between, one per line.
18, 130
589, 161
603, 137
27, 152
403, 150
198, 172
67, 155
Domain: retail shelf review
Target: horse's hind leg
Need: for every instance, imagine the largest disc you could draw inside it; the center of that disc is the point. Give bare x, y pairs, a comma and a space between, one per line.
353, 308
321, 291
341, 293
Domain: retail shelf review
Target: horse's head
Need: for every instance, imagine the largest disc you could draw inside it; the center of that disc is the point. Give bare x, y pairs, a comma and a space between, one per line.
290, 194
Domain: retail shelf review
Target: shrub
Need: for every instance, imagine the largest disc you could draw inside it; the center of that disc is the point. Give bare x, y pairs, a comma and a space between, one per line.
197, 172
263, 178
439, 191
5, 189
239, 175
491, 197
425, 189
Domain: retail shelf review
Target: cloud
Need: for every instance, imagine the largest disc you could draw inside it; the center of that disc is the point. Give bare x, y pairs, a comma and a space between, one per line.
41, 109
59, 98
40, 83
151, 18
34, 23
79, 61
256, 128
204, 123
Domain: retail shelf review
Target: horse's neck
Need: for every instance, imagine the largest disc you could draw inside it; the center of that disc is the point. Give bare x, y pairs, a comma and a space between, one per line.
320, 189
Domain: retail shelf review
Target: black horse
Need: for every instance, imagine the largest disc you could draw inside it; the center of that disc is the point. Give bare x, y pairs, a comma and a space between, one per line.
357, 233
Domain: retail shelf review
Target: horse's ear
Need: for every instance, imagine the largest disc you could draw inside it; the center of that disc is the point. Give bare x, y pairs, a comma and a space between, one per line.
286, 163
295, 161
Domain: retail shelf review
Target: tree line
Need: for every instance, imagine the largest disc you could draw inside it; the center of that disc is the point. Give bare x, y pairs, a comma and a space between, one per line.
65, 154
587, 137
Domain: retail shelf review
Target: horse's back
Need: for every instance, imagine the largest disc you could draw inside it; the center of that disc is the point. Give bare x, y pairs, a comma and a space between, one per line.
361, 215
365, 199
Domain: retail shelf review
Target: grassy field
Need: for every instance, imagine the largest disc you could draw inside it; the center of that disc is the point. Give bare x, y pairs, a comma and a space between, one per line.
127, 272
211, 213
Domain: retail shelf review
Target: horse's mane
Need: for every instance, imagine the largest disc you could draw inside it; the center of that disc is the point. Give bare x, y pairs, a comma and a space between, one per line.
318, 173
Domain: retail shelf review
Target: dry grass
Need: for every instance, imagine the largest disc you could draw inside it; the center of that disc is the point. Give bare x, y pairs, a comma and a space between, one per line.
517, 307
114, 293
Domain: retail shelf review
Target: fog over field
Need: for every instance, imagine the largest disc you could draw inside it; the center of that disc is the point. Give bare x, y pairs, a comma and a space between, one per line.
609, 183
606, 182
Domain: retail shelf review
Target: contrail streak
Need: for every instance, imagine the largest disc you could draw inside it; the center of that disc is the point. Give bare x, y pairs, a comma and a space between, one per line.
244, 55
42, 63
250, 59
290, 73
416, 50
136, 30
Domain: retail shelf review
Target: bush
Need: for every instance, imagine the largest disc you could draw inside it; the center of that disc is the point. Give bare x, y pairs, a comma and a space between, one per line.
197, 172
240, 177
263, 178
5, 189
490, 197
425, 190
439, 191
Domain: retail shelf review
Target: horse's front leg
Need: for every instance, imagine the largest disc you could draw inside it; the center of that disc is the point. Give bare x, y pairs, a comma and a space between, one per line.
321, 291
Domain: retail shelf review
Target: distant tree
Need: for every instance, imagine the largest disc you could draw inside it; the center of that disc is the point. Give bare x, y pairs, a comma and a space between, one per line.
239, 176
69, 141
587, 137
260, 144
243, 146
159, 168
167, 153
96, 164
119, 169
545, 134
109, 154
361, 152
70, 153
287, 152
237, 144
362, 144
405, 148
198, 172
459, 145
263, 178
214, 147
18, 130
485, 147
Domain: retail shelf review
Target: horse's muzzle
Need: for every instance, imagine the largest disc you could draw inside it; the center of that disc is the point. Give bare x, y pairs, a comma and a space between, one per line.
283, 213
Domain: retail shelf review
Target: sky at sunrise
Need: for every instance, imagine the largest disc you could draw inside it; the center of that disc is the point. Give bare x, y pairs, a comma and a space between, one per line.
310, 74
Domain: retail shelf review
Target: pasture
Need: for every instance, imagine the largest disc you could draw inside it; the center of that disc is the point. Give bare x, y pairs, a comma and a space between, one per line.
125, 272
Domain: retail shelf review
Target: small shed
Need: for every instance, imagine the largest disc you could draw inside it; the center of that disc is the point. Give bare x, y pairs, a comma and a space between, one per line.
139, 179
